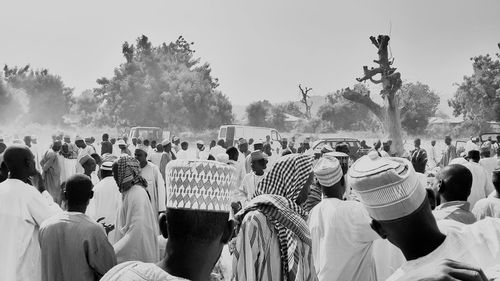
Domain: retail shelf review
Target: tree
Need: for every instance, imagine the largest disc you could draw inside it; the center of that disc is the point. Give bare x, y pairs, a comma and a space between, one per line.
258, 113
340, 113
306, 100
48, 98
478, 96
418, 104
85, 107
391, 82
163, 86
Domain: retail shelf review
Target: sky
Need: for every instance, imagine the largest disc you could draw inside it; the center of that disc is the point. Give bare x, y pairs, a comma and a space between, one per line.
258, 49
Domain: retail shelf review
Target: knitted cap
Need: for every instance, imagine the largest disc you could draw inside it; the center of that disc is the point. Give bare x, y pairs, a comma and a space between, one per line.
328, 171
387, 186
199, 185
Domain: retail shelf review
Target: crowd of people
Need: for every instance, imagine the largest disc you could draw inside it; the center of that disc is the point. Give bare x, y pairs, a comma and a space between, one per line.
150, 210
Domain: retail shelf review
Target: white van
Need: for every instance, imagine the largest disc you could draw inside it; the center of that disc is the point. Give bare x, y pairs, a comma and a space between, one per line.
232, 133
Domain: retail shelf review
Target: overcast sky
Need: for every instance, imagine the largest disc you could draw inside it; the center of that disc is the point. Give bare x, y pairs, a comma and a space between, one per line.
257, 49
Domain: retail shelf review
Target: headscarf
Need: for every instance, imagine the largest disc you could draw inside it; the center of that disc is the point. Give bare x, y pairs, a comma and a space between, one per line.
275, 197
129, 171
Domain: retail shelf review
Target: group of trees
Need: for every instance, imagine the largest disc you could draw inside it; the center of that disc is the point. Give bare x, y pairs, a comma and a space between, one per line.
264, 114
161, 85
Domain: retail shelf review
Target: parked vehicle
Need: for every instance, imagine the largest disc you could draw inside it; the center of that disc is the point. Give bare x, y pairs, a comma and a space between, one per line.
232, 133
355, 150
149, 133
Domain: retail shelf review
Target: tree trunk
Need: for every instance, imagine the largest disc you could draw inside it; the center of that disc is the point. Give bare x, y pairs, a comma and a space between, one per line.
392, 124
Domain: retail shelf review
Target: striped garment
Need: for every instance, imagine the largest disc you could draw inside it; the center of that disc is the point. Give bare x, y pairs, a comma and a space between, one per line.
275, 199
258, 253
129, 170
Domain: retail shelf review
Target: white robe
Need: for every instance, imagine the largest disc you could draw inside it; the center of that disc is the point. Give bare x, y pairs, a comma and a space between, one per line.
105, 202
134, 238
156, 187
476, 244
22, 211
247, 188
482, 184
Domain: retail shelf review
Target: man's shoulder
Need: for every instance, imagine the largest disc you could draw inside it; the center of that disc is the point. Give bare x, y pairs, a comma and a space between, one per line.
19, 189
138, 271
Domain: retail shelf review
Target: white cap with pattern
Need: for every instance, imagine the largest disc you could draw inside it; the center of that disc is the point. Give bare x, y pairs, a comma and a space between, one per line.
388, 187
328, 171
199, 185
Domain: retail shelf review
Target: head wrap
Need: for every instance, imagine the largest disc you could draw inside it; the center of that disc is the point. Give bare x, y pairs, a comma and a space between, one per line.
328, 171
120, 142
388, 187
78, 138
275, 198
199, 185
200, 142
165, 142
129, 171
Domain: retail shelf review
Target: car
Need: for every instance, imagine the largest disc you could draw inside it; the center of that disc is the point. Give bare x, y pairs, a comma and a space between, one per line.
355, 150
149, 133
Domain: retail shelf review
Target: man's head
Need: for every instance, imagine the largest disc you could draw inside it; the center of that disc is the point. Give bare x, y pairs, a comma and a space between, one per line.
141, 155
221, 143
206, 223
121, 144
243, 145
184, 145
250, 141
485, 152
267, 149
342, 147
455, 183
447, 140
134, 141
88, 163
268, 138
105, 137
258, 145
167, 145
200, 145
78, 191
56, 146
176, 140
146, 142
233, 153
258, 162
153, 144
27, 140
20, 162
474, 156
159, 148
2, 147
393, 196
79, 142
112, 141
417, 143
67, 139
284, 144
125, 139
330, 177
106, 169
433, 143
377, 145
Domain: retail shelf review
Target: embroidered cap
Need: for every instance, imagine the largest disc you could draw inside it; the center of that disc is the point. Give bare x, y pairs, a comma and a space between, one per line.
199, 185
388, 187
107, 166
328, 171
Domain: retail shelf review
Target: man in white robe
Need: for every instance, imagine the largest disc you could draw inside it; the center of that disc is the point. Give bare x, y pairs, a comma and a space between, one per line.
22, 210
249, 184
107, 197
156, 185
136, 226
482, 185
342, 239
84, 150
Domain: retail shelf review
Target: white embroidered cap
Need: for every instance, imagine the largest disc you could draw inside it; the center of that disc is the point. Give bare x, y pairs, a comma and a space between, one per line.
199, 185
388, 187
328, 171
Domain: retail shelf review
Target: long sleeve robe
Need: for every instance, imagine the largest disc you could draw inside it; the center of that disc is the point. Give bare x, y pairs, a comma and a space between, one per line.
51, 172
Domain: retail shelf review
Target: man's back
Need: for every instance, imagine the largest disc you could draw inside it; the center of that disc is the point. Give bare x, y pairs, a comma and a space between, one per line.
74, 248
482, 184
490, 163
106, 201
22, 210
342, 241
138, 271
106, 147
487, 207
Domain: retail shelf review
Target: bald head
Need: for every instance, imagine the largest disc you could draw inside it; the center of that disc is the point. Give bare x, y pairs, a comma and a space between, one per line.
20, 162
455, 183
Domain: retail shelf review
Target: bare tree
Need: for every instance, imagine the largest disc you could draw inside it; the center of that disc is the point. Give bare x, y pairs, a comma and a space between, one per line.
389, 114
306, 100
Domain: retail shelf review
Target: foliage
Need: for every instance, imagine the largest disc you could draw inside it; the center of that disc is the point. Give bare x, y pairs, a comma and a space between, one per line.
258, 113
478, 96
418, 103
341, 114
48, 98
471, 128
162, 86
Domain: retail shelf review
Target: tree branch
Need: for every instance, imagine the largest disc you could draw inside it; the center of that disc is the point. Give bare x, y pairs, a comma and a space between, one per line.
369, 73
365, 100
